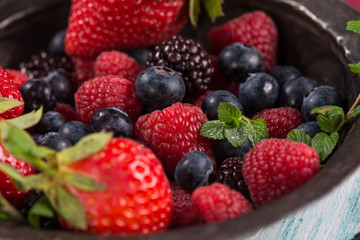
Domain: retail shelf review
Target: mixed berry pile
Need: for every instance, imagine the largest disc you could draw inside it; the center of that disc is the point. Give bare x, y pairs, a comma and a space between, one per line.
142, 129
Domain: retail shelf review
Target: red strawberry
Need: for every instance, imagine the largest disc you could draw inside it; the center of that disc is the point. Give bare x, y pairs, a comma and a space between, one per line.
18, 77
217, 202
106, 91
138, 195
83, 69
7, 188
254, 28
275, 167
9, 90
172, 132
66, 110
280, 121
117, 63
97, 25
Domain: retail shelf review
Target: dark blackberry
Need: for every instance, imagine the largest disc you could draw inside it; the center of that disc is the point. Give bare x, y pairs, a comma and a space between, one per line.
230, 174
42, 63
189, 58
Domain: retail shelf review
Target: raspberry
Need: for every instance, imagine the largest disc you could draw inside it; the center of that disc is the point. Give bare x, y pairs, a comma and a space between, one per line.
280, 121
18, 77
275, 167
173, 132
83, 69
254, 28
117, 63
66, 110
217, 202
106, 91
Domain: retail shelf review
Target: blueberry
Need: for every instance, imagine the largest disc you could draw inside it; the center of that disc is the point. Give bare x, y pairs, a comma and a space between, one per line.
320, 96
311, 128
56, 44
62, 87
193, 170
159, 87
54, 140
37, 138
74, 131
38, 92
283, 74
140, 55
259, 91
211, 103
223, 149
293, 91
237, 60
112, 120
50, 122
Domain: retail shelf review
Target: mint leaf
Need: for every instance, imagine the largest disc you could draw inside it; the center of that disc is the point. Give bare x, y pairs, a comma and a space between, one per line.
237, 136
26, 120
257, 131
8, 103
298, 135
82, 182
194, 11
42, 208
229, 114
213, 8
354, 113
329, 118
324, 144
213, 129
353, 26
355, 68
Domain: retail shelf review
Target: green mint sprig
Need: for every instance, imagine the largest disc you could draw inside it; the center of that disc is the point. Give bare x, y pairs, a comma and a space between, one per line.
234, 127
355, 27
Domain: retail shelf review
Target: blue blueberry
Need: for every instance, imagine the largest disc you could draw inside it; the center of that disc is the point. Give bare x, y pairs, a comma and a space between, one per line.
193, 170
259, 91
112, 120
320, 96
283, 74
223, 149
38, 92
140, 55
62, 87
237, 60
50, 122
56, 44
74, 131
293, 91
54, 140
211, 103
311, 128
159, 87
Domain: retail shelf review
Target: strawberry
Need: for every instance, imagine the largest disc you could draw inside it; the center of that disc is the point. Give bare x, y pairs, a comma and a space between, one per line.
275, 167
18, 77
217, 202
254, 28
117, 63
106, 91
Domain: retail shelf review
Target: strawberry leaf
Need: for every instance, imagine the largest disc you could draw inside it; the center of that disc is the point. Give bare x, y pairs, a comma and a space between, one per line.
213, 129
257, 131
237, 136
42, 208
353, 26
213, 8
229, 114
8, 212
324, 144
27, 120
8, 103
329, 118
194, 11
354, 113
87, 146
298, 135
82, 182
355, 68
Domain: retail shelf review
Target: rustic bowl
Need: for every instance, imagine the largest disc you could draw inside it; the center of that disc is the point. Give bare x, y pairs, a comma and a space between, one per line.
312, 38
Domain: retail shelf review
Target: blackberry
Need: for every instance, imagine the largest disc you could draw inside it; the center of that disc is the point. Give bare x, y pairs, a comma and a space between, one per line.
42, 63
189, 58
230, 174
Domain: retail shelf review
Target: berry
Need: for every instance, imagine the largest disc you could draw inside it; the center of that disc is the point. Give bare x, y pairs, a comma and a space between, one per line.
293, 91
38, 92
311, 128
193, 170
57, 42
173, 132
66, 110
54, 140
18, 77
275, 167
9, 90
106, 91
318, 97
117, 63
112, 120
230, 174
280, 121
223, 150
256, 29
74, 131
283, 74
197, 102
50, 122
159, 87
62, 87
189, 58
259, 91
237, 61
83, 69
105, 25
211, 103
218, 80
140, 55
217, 202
